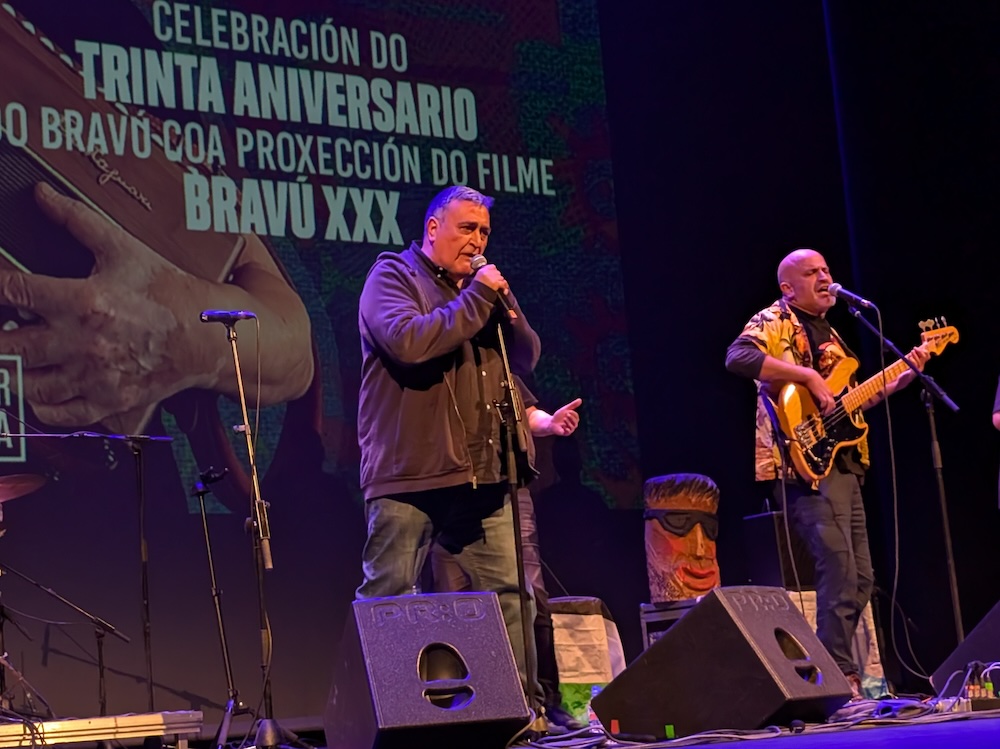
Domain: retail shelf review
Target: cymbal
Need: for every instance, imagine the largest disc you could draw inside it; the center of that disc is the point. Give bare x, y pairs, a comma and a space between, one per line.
18, 484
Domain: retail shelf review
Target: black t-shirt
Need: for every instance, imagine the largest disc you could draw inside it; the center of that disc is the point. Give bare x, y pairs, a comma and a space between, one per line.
818, 331
820, 334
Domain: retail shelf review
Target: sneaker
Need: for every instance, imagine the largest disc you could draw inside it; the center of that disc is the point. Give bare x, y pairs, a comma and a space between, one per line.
857, 693
558, 716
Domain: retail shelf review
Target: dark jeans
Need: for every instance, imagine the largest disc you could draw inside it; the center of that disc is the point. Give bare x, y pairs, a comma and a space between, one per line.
545, 647
831, 522
474, 525
448, 576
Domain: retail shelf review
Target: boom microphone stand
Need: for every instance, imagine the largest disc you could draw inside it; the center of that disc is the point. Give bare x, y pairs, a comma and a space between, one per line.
269, 733
101, 627
5, 617
931, 388
928, 400
135, 442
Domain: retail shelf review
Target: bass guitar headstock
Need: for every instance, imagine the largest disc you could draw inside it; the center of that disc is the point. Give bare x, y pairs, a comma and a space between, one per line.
937, 334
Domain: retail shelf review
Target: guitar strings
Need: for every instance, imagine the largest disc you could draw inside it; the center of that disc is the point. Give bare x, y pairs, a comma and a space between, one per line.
833, 418
839, 412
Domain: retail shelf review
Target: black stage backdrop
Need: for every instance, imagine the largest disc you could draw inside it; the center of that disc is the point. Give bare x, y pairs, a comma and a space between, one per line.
865, 130
739, 131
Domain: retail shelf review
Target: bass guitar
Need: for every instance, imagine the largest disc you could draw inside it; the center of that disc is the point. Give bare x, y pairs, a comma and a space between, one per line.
815, 438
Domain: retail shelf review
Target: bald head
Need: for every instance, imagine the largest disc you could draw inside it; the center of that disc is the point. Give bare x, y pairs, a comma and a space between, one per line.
794, 260
804, 280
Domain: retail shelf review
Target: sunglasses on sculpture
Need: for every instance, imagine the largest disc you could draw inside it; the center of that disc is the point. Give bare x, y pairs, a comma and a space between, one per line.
681, 522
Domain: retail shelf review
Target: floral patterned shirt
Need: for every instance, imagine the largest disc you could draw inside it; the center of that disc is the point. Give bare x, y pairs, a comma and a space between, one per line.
778, 332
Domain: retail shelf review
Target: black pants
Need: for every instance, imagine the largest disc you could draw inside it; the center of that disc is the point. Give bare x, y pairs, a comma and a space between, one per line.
831, 522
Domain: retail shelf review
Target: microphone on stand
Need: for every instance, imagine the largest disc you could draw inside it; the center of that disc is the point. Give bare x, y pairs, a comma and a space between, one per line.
855, 300
227, 316
478, 261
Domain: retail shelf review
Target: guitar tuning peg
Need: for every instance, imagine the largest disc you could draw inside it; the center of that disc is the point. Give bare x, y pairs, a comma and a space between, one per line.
944, 321
923, 325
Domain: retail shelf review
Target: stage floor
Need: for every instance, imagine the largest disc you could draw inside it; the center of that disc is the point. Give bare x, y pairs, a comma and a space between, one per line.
953, 731
966, 730
948, 731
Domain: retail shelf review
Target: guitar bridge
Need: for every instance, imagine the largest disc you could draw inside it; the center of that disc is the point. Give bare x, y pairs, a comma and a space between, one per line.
810, 431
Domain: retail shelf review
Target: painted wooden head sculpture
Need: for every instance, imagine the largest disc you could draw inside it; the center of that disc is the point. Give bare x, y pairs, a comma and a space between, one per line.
682, 524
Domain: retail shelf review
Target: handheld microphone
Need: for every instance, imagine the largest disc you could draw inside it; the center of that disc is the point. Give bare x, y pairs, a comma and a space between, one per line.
850, 297
478, 261
226, 315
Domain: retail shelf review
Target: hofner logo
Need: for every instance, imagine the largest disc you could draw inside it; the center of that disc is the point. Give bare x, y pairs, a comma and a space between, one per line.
12, 449
110, 174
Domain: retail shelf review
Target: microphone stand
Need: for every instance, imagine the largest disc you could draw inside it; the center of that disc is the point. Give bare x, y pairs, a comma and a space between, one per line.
511, 412
101, 627
234, 706
269, 733
5, 617
135, 444
928, 401
930, 388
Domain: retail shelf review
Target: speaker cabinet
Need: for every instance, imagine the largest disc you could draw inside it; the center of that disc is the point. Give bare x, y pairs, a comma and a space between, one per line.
741, 658
981, 644
425, 670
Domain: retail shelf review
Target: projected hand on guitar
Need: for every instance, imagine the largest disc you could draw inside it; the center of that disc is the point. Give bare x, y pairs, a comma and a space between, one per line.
108, 347
815, 434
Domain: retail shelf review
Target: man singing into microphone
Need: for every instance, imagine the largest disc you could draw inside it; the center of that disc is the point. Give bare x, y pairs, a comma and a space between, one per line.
432, 443
792, 341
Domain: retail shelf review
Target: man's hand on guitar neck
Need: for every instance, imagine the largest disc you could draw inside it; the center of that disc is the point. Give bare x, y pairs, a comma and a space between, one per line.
918, 356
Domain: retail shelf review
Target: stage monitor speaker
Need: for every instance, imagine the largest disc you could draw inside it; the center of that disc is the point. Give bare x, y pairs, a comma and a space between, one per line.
425, 670
741, 658
981, 644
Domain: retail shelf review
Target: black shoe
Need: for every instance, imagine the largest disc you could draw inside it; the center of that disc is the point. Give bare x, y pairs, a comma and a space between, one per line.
557, 716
